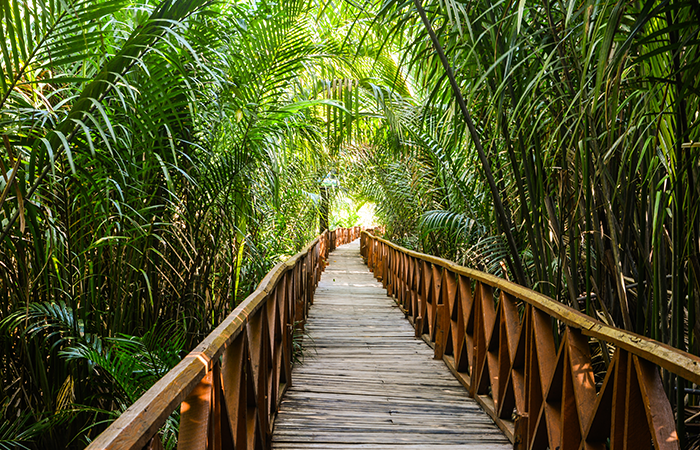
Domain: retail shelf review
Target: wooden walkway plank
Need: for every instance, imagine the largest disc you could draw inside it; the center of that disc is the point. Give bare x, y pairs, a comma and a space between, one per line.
367, 383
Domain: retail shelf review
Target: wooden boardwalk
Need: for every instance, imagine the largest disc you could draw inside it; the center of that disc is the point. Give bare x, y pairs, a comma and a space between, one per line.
367, 382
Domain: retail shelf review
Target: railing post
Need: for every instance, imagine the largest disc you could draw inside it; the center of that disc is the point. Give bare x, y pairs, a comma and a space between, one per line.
195, 414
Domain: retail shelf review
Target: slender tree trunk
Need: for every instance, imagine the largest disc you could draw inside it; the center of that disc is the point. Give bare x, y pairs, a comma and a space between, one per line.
485, 163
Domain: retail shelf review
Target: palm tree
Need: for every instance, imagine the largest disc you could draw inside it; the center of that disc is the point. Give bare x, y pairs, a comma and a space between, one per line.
159, 157
583, 109
152, 177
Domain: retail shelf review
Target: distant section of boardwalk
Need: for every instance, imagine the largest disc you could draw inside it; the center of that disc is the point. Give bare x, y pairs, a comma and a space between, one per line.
367, 382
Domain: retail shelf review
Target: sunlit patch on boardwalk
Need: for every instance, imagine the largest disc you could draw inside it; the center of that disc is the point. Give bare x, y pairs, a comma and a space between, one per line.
367, 382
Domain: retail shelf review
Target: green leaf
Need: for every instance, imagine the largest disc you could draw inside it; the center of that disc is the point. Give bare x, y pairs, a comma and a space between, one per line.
521, 10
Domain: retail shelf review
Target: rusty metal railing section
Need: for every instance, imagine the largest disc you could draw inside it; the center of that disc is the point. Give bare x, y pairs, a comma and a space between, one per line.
229, 387
498, 339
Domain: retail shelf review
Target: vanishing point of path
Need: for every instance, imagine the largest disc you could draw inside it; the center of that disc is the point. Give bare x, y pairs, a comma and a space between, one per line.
367, 382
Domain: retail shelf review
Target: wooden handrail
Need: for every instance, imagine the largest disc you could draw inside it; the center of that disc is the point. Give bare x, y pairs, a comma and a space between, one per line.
342, 236
503, 350
230, 385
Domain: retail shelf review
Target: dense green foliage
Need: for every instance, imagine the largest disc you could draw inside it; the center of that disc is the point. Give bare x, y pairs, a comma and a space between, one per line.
158, 157
582, 108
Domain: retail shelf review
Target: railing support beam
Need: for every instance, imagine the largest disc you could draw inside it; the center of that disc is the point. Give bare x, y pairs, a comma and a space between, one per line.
496, 337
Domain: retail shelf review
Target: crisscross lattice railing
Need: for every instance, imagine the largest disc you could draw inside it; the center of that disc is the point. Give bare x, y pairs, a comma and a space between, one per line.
229, 387
498, 339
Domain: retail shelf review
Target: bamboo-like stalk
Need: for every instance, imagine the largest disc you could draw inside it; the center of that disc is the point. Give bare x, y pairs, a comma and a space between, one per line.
504, 220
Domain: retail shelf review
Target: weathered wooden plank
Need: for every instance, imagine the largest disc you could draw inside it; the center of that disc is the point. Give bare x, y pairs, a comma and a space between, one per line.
367, 382
376, 446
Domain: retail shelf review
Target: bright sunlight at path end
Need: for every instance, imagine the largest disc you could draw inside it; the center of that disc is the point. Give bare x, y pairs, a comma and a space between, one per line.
367, 382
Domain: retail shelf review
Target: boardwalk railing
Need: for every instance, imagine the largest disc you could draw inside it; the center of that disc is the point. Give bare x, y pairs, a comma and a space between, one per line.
342, 236
229, 387
498, 339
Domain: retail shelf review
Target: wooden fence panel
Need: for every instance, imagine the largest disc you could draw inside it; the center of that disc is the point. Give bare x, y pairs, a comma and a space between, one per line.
230, 386
538, 387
